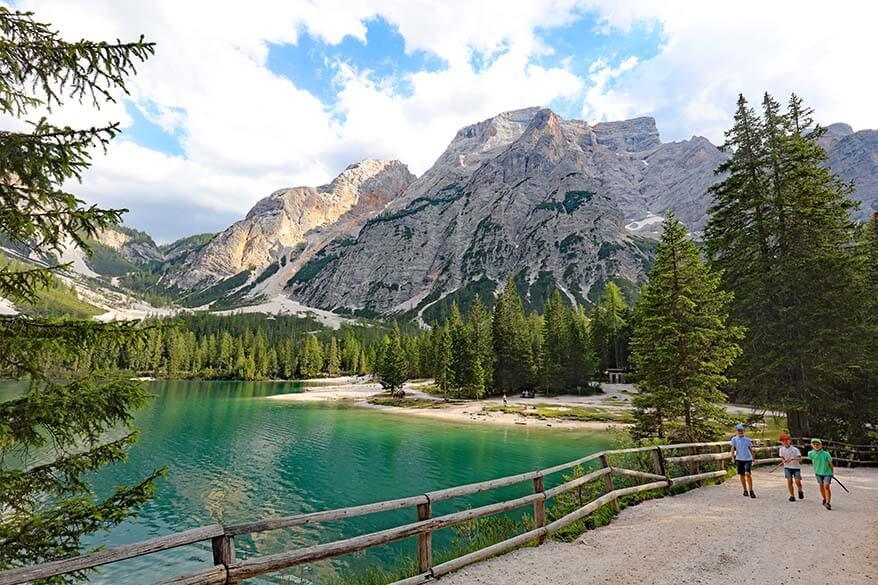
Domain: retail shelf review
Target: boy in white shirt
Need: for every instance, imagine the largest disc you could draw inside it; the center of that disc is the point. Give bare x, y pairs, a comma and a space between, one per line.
792, 465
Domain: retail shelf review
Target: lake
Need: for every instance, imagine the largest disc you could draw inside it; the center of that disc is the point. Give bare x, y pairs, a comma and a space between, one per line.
234, 456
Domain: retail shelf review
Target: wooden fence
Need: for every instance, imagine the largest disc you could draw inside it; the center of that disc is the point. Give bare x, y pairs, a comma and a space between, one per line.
845, 454
227, 569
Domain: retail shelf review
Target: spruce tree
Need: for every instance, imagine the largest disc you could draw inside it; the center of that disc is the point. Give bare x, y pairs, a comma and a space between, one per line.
333, 359
513, 350
780, 230
682, 344
68, 409
362, 364
444, 364
460, 348
556, 345
481, 340
610, 327
582, 360
393, 369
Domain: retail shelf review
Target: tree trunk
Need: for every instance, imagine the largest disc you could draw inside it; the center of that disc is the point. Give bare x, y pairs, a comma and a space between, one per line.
798, 423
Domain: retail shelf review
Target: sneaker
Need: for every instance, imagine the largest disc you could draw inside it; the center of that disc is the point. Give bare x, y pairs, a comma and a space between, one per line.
753, 494
801, 495
828, 506
792, 499
824, 501
746, 493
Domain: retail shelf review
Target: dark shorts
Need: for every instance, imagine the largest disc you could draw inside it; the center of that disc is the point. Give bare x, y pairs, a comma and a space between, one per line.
743, 466
824, 479
792, 473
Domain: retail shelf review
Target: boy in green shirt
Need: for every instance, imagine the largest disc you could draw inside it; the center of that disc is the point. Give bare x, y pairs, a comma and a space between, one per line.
823, 469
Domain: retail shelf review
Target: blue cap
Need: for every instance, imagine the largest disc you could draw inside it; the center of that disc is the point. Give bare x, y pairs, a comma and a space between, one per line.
739, 427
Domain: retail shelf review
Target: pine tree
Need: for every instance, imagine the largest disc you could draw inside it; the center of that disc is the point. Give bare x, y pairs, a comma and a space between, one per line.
226, 351
556, 345
362, 364
444, 361
870, 271
870, 255
475, 384
68, 410
513, 350
393, 369
780, 230
333, 359
482, 341
610, 328
580, 368
682, 345
459, 348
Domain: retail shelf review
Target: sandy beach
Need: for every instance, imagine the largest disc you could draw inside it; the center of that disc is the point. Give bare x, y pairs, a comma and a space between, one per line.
358, 391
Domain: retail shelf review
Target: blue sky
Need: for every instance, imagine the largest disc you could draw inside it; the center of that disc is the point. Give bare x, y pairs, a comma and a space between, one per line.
238, 103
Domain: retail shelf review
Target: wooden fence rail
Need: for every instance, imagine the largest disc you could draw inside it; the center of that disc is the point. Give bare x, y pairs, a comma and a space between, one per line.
228, 569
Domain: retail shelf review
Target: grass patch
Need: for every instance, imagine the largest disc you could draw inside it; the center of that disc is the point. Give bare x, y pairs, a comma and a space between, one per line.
57, 300
407, 402
468, 537
60, 300
576, 413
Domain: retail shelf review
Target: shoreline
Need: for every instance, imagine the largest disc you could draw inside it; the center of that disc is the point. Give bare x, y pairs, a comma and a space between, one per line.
457, 411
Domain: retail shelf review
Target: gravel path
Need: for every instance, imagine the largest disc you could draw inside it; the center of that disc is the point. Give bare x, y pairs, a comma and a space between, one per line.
713, 535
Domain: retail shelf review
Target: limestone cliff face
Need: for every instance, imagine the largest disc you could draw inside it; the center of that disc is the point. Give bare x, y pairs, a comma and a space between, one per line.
132, 245
853, 156
524, 194
280, 221
554, 203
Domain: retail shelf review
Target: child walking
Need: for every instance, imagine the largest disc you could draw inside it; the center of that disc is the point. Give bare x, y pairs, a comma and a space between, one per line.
823, 469
792, 466
742, 454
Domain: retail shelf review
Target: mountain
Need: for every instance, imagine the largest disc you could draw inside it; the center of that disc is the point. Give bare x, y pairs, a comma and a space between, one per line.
853, 156
553, 203
133, 245
527, 194
280, 222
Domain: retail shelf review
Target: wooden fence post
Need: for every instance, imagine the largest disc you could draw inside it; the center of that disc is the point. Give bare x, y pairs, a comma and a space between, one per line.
658, 461
425, 540
539, 507
223, 551
608, 481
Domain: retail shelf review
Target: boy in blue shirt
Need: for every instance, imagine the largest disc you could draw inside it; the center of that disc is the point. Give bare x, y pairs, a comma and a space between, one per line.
742, 455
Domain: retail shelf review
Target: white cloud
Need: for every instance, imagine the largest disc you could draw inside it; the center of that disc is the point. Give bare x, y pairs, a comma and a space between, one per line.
246, 131
712, 52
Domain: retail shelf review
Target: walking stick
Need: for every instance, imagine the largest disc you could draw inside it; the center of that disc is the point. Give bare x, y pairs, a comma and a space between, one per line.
841, 484
775, 468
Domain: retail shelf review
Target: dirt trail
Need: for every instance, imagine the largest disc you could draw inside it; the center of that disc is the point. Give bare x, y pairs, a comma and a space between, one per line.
713, 535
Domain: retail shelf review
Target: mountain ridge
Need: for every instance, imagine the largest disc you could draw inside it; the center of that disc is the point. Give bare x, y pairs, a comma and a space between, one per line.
552, 202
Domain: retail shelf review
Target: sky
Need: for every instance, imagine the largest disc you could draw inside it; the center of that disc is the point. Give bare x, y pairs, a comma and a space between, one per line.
242, 99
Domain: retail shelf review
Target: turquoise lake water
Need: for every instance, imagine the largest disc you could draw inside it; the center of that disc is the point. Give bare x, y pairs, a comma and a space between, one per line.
234, 456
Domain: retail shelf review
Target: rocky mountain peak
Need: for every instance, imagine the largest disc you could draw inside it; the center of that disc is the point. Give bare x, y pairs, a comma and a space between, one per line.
635, 135
283, 219
839, 130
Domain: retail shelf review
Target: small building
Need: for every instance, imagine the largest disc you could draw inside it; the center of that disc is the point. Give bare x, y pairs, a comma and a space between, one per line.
615, 376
